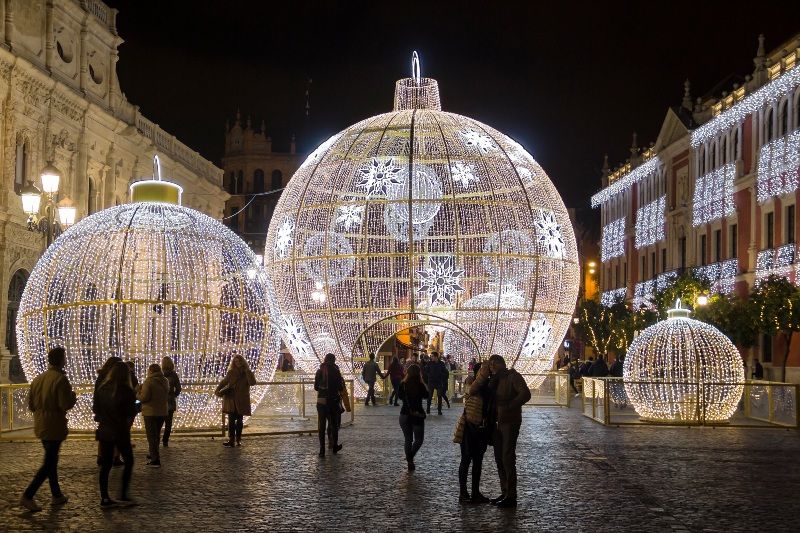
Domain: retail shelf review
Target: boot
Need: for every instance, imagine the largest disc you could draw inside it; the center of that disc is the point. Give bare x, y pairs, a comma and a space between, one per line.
322, 446
477, 497
463, 495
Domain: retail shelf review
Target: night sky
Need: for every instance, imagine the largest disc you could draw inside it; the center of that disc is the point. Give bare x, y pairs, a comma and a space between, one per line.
569, 80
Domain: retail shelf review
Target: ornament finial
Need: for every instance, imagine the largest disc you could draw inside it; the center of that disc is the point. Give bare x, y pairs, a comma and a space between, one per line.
156, 168
678, 311
416, 71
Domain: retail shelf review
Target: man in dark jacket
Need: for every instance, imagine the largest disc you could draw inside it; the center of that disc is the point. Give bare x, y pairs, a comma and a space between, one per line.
585, 366
616, 368
599, 368
329, 384
369, 373
509, 393
438, 375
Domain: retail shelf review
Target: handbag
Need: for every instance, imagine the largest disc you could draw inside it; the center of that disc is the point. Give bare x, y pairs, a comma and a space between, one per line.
225, 391
345, 399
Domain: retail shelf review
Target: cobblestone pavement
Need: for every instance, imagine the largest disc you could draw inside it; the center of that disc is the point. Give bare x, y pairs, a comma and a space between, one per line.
575, 475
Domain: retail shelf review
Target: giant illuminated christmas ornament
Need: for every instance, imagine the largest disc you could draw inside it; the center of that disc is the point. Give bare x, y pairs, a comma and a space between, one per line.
145, 280
683, 370
422, 217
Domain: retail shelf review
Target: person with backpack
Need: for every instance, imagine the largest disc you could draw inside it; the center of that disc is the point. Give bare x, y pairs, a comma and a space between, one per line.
369, 374
114, 407
168, 367
412, 415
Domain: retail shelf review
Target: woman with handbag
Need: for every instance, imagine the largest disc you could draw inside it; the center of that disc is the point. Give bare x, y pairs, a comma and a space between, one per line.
114, 407
329, 384
412, 415
475, 438
235, 392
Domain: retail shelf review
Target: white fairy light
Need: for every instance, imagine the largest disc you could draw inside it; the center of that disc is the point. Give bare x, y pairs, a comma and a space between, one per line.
682, 370
142, 281
463, 173
422, 206
650, 223
766, 95
349, 216
613, 240
649, 167
285, 237
721, 276
713, 195
778, 262
644, 291
779, 167
609, 298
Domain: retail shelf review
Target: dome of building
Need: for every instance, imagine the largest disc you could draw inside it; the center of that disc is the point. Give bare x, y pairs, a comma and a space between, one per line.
142, 281
420, 216
683, 370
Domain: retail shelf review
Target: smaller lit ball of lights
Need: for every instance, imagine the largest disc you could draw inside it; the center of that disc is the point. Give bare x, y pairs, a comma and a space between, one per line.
145, 280
683, 370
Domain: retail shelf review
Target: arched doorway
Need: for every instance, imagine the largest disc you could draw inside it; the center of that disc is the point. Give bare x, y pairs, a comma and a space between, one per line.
15, 289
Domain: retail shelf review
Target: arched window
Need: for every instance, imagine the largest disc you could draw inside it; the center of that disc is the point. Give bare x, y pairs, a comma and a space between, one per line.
231, 183
258, 180
783, 118
768, 126
240, 183
15, 288
21, 172
277, 179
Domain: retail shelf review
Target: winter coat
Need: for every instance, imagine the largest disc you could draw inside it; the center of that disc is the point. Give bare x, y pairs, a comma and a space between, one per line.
237, 401
473, 402
114, 411
154, 395
370, 371
174, 390
616, 369
510, 394
328, 382
49, 398
599, 369
412, 403
437, 374
396, 370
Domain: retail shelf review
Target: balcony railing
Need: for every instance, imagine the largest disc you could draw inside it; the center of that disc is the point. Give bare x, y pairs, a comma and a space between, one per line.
720, 275
779, 166
781, 261
644, 291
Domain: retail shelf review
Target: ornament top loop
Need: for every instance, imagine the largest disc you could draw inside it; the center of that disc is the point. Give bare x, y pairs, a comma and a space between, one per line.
156, 168
416, 72
679, 311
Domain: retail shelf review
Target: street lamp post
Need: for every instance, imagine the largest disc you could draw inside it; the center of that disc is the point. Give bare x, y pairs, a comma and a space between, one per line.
57, 216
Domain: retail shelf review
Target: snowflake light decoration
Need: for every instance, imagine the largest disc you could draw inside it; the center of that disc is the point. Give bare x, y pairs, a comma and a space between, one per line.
548, 234
285, 237
438, 185
441, 280
478, 140
349, 216
294, 335
378, 175
537, 338
463, 173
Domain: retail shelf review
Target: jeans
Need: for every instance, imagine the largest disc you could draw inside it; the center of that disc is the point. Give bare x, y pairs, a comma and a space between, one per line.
441, 392
152, 426
395, 388
328, 420
235, 425
473, 447
48, 470
414, 433
168, 426
370, 393
505, 455
123, 444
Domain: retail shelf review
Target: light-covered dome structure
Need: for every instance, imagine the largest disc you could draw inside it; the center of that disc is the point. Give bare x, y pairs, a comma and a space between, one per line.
683, 370
422, 216
145, 280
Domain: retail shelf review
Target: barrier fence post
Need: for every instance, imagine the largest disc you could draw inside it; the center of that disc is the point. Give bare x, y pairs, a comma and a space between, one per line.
606, 395
302, 398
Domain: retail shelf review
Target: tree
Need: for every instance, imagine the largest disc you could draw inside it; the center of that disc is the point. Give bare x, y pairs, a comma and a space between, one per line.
596, 322
687, 287
628, 324
777, 304
734, 316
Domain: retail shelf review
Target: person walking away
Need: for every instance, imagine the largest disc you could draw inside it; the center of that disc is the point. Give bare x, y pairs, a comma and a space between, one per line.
585, 366
438, 376
616, 368
510, 393
329, 384
49, 398
574, 373
369, 373
168, 367
758, 371
599, 368
396, 373
412, 417
114, 407
154, 395
102, 374
235, 392
475, 438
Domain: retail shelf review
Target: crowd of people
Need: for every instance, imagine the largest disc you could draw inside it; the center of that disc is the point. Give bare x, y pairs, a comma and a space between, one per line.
591, 367
492, 415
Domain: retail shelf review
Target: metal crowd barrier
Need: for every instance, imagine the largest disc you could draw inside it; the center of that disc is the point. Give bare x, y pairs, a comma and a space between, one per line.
763, 404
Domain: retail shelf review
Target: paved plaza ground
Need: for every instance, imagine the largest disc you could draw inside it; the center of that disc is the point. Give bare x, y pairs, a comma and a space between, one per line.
575, 475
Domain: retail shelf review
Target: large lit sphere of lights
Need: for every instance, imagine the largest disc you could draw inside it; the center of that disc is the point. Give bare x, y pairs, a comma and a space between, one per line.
141, 281
426, 200
680, 369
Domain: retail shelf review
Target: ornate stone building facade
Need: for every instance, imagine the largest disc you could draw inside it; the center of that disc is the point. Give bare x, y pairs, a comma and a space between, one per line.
60, 102
716, 193
252, 168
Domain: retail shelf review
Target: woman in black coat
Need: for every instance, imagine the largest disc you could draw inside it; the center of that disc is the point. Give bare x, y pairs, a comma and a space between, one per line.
329, 384
412, 414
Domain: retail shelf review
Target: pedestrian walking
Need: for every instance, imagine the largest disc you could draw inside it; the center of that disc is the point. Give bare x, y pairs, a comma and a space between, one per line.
329, 384
49, 398
369, 374
154, 395
168, 367
437, 377
412, 416
758, 370
616, 367
102, 374
599, 368
508, 392
475, 437
114, 407
396, 373
235, 392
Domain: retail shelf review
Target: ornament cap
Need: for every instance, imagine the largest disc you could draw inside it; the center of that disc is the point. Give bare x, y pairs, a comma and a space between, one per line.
155, 190
416, 92
678, 311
